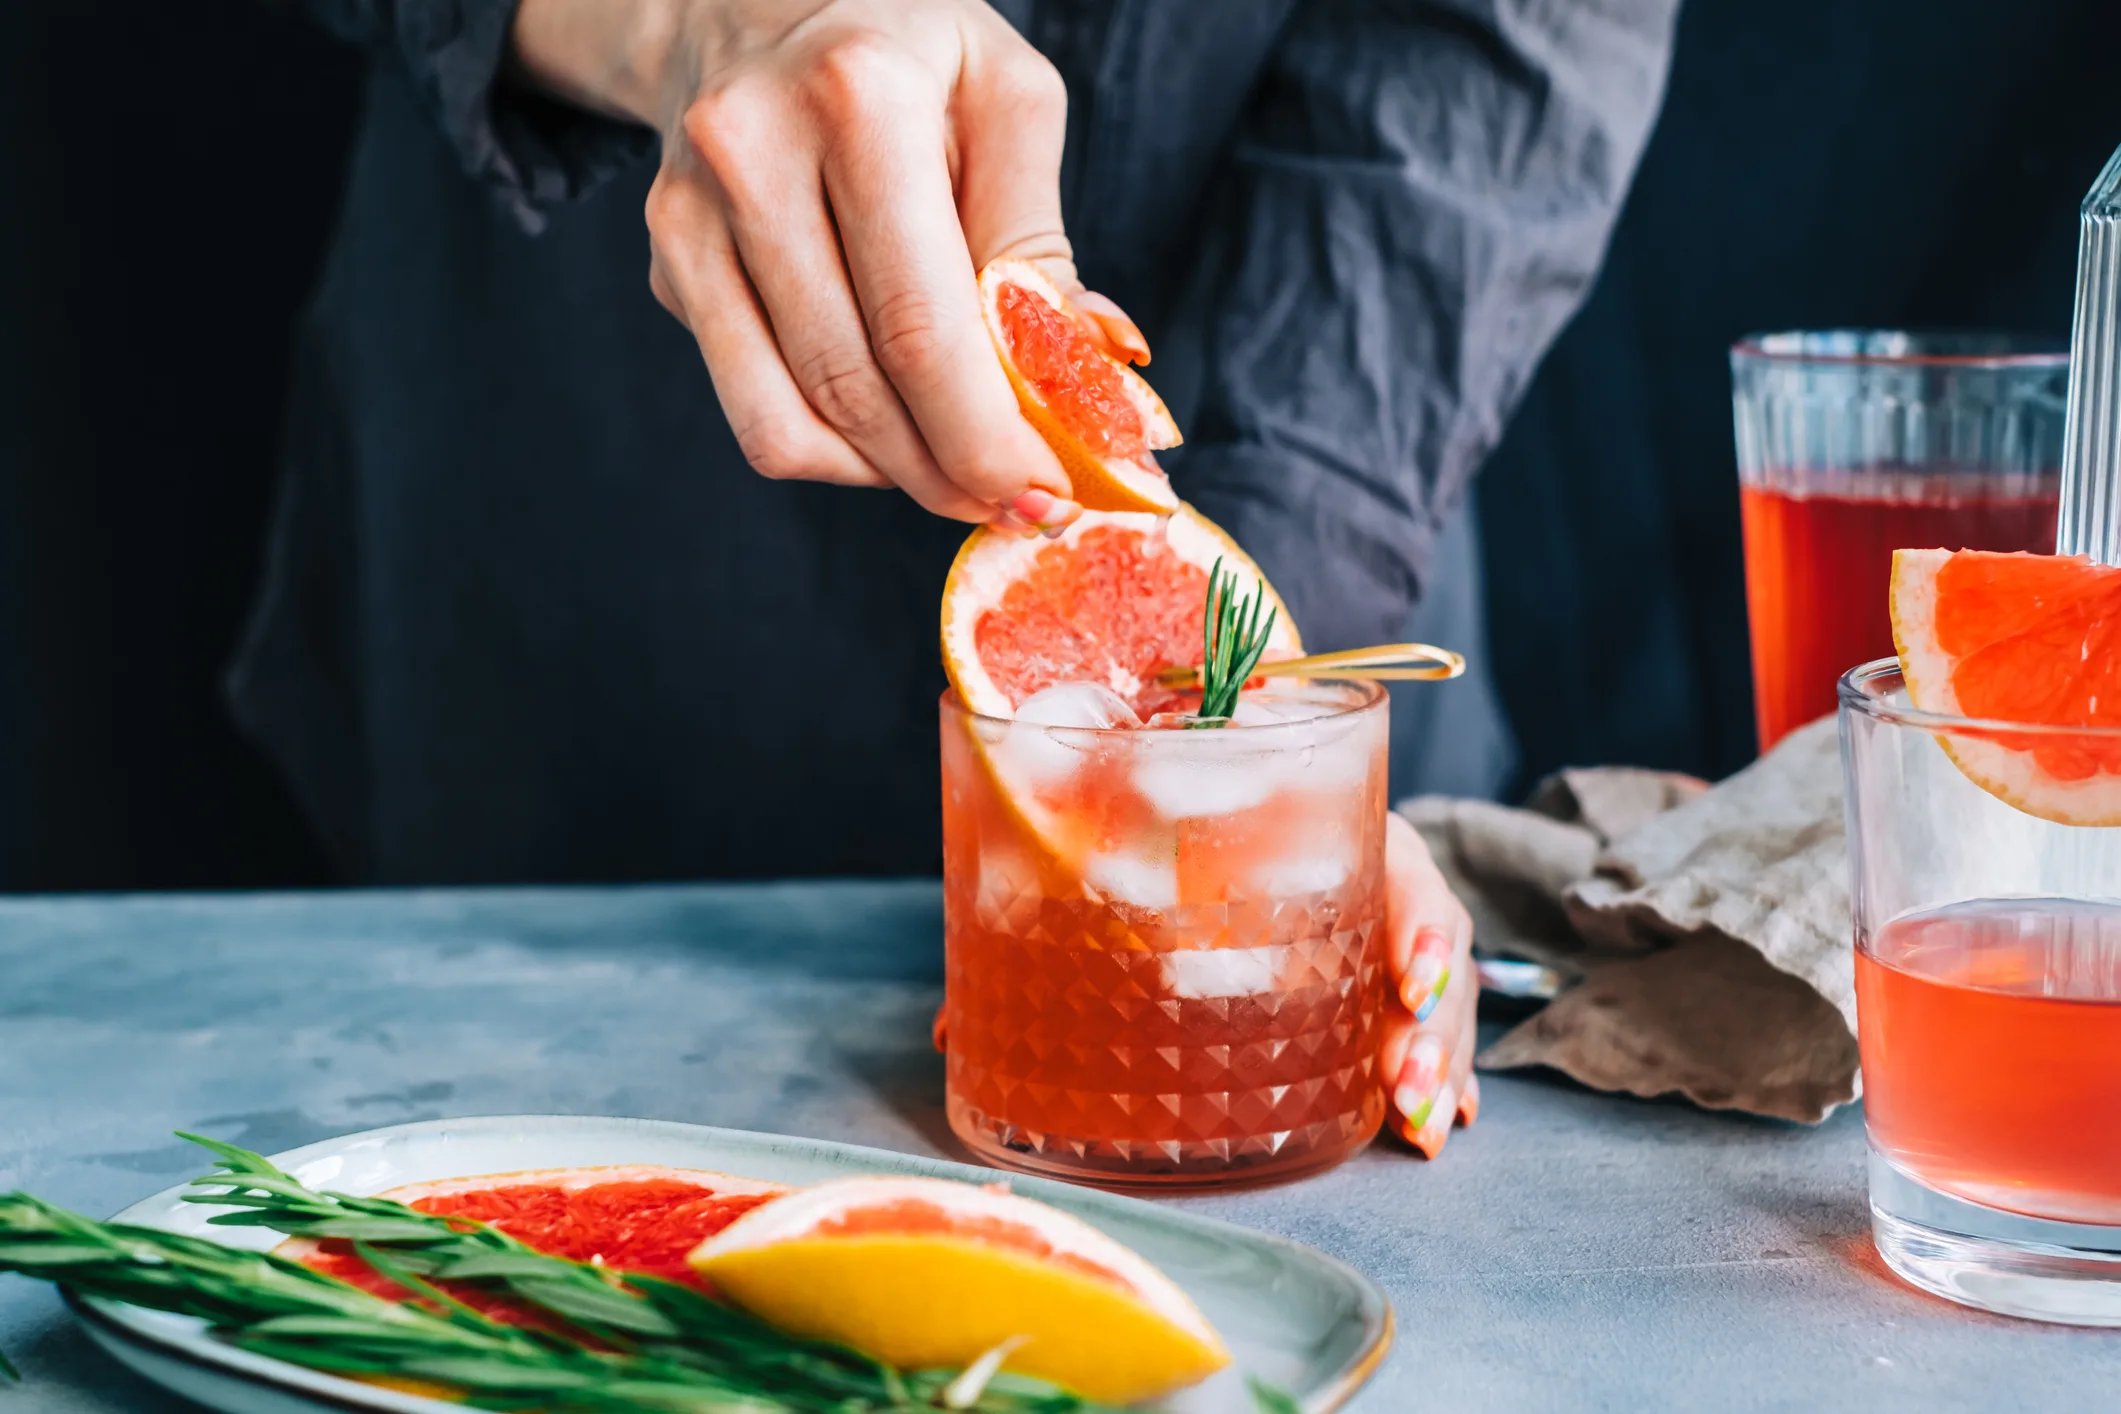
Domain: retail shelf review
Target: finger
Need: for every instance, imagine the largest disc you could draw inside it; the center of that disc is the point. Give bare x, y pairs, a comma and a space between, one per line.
897, 217
1399, 1033
1009, 115
1109, 324
785, 238
1433, 1130
695, 274
1417, 897
1426, 972
1421, 1089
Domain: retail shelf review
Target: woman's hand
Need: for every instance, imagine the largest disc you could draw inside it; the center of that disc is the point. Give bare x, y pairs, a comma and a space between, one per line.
834, 173
1429, 1020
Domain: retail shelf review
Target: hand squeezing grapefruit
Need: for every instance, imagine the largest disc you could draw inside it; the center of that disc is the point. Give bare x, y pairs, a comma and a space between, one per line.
2026, 639
1097, 414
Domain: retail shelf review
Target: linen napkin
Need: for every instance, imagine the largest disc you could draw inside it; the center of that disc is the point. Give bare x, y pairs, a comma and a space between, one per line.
1706, 930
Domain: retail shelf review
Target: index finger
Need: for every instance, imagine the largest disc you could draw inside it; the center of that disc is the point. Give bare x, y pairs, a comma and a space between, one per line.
891, 195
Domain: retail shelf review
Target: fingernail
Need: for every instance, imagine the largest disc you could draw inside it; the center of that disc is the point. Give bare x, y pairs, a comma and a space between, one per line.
1050, 513
1427, 972
1013, 524
1435, 996
1435, 1126
1125, 336
1420, 1077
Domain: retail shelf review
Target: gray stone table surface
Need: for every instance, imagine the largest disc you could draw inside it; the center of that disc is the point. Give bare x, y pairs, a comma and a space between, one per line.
1571, 1251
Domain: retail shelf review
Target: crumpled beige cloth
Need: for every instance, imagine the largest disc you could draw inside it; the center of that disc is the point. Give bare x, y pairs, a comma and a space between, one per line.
1707, 930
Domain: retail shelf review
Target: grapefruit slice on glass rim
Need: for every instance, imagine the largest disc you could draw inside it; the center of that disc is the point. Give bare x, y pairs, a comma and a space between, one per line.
2022, 639
1111, 600
1114, 598
1100, 417
924, 1273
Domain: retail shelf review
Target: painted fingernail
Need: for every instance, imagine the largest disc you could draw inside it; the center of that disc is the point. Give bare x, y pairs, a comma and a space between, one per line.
1435, 1127
1050, 513
1120, 331
1428, 971
1014, 524
1420, 1077
1434, 997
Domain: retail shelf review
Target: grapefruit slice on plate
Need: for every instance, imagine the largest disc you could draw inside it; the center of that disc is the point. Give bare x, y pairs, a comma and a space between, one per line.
1113, 599
641, 1218
925, 1273
2019, 638
1099, 416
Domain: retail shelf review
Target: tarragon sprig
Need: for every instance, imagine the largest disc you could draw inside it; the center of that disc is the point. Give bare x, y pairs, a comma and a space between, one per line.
1233, 638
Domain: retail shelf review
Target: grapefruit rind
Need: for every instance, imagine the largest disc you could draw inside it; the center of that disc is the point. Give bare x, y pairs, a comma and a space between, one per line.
1099, 1319
2008, 773
1097, 483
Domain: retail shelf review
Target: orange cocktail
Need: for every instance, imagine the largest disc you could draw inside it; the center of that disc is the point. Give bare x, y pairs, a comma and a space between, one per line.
1992, 1052
1165, 952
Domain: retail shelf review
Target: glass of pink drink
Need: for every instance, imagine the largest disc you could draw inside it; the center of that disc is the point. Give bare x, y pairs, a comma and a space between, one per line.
1988, 994
1164, 949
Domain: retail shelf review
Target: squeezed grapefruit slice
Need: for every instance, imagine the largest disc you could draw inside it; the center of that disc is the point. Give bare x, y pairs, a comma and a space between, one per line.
640, 1218
924, 1273
1099, 416
2019, 638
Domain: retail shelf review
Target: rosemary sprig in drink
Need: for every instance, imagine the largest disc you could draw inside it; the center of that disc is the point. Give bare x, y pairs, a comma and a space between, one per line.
1232, 640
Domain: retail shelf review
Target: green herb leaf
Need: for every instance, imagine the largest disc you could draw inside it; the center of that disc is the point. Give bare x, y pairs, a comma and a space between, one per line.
1271, 1399
1233, 638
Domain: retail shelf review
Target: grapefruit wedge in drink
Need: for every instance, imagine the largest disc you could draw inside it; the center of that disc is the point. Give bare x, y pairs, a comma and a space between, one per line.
926, 1273
2026, 640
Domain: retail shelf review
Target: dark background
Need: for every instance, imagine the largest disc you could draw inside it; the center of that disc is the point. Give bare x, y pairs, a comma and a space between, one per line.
169, 176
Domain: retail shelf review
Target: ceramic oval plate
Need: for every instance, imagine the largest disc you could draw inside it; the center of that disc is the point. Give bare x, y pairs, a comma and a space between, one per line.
1291, 1315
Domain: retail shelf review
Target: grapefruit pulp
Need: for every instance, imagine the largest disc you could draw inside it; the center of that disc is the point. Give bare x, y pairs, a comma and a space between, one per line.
2026, 639
1099, 416
636, 1218
924, 1273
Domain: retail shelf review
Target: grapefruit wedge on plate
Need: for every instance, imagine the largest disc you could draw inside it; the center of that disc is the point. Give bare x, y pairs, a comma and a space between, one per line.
2032, 640
1099, 416
638, 1218
925, 1273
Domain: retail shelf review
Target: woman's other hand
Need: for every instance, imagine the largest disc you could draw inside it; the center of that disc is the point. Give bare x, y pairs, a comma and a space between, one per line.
1429, 1018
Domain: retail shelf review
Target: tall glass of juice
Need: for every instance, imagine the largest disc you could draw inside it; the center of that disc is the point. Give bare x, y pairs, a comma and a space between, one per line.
1988, 997
1164, 945
1854, 444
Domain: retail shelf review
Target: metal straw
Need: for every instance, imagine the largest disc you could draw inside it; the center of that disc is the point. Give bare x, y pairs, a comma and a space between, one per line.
2090, 522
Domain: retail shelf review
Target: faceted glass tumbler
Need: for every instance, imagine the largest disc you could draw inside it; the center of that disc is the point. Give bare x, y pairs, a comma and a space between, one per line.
1165, 948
